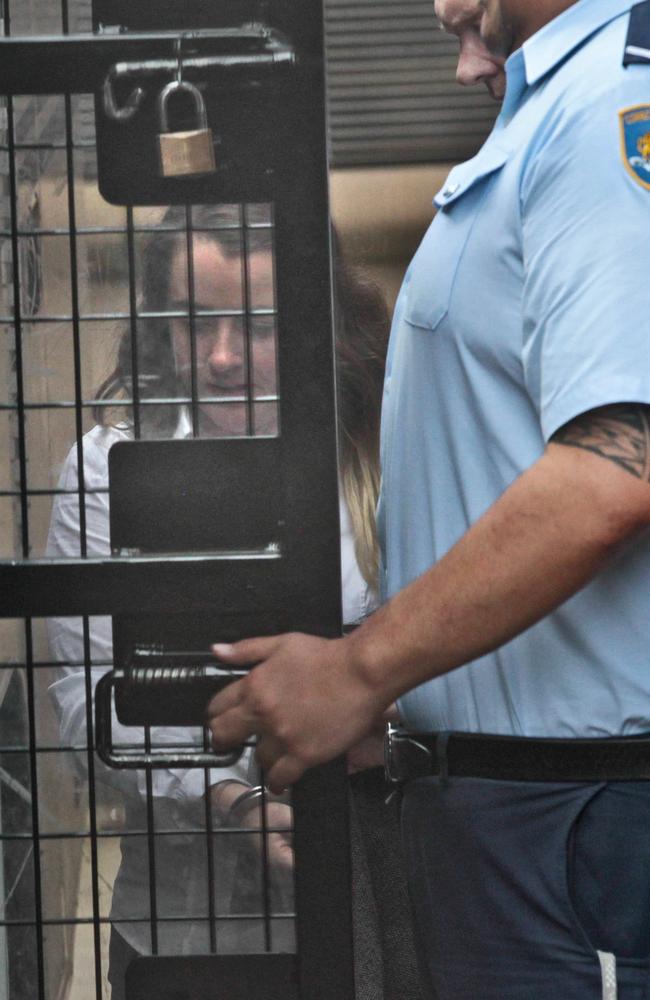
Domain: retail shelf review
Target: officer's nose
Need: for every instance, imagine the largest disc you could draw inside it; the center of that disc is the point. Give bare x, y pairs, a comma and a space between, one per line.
474, 66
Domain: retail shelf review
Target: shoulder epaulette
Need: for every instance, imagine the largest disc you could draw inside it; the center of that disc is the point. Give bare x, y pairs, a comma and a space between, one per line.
637, 44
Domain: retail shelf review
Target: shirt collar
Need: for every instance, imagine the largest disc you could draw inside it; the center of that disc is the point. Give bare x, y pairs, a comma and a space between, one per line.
556, 40
549, 46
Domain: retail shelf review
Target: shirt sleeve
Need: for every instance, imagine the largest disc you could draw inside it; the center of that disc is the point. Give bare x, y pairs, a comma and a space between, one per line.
586, 261
66, 639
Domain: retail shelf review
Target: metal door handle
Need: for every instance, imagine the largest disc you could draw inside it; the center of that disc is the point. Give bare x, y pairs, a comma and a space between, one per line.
161, 692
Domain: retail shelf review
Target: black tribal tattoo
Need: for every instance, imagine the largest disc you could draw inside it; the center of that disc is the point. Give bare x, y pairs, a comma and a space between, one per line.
620, 433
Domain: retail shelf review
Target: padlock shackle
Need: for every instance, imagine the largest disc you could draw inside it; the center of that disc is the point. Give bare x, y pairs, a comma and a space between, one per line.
189, 88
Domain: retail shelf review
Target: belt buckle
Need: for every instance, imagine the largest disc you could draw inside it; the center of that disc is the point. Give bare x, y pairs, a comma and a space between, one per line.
405, 758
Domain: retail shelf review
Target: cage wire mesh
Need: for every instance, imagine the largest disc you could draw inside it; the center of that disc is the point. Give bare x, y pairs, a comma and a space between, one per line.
114, 327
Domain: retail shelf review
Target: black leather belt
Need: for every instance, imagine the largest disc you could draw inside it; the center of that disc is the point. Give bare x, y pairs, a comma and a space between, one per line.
515, 758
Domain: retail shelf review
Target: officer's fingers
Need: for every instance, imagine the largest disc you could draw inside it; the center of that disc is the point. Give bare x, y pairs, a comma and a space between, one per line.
228, 698
268, 751
231, 728
248, 652
286, 771
245, 692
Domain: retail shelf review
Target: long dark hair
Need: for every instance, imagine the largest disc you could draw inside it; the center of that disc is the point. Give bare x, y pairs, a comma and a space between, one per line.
361, 325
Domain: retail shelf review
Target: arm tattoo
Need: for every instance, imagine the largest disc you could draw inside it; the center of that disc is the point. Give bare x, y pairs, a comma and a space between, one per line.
620, 433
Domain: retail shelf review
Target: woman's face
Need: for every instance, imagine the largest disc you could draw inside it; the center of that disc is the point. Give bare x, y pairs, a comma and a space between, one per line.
225, 377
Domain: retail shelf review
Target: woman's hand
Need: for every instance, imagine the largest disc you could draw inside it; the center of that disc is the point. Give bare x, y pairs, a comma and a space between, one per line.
279, 819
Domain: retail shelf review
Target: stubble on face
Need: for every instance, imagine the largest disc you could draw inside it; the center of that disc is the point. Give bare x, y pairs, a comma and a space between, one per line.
501, 26
507, 24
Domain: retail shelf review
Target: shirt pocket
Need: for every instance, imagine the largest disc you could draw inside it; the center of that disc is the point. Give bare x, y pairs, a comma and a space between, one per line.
434, 268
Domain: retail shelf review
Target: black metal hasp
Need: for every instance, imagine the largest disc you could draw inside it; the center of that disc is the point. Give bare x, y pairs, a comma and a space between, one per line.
86, 62
276, 55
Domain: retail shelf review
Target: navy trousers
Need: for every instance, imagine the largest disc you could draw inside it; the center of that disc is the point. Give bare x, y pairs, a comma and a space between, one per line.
121, 954
528, 890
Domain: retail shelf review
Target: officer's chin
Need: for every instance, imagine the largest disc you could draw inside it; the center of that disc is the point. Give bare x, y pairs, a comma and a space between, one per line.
497, 93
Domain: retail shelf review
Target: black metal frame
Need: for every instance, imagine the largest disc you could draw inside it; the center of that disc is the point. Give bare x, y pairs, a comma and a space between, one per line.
80, 63
307, 570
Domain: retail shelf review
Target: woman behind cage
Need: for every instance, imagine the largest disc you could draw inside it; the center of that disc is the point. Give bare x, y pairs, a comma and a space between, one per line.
220, 381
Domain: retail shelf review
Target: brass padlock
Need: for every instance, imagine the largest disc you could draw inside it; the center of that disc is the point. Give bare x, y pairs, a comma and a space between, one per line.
185, 153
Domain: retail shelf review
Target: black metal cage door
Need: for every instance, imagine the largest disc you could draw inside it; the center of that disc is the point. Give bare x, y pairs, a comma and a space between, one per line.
153, 500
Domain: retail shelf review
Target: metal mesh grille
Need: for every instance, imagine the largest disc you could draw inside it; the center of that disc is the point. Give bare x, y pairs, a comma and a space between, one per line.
80, 303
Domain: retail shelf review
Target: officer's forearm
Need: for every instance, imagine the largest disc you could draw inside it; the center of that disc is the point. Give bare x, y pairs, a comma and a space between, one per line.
545, 538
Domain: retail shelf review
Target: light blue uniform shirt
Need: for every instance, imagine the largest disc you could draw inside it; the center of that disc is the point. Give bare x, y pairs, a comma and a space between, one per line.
528, 303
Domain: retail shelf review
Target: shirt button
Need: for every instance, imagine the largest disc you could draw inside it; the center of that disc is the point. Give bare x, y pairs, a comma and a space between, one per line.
450, 190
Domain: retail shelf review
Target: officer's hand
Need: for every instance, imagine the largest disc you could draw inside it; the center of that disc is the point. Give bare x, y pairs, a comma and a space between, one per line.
307, 701
368, 753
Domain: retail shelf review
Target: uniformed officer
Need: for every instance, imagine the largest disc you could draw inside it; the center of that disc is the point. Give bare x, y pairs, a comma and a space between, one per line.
514, 515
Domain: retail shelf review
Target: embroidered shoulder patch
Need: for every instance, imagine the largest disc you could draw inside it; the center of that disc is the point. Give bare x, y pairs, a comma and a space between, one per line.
635, 142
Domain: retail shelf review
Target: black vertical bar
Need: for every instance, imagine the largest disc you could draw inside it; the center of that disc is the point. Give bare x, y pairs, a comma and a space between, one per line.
266, 874
305, 345
194, 391
92, 808
78, 390
212, 923
133, 309
38, 885
74, 299
24, 507
151, 847
24, 512
18, 341
137, 429
322, 883
278, 401
246, 333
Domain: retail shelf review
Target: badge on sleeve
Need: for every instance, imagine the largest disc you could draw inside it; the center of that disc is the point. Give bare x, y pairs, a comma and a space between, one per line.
635, 142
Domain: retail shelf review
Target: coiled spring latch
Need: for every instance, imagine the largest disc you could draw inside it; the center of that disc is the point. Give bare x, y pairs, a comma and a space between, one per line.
158, 688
